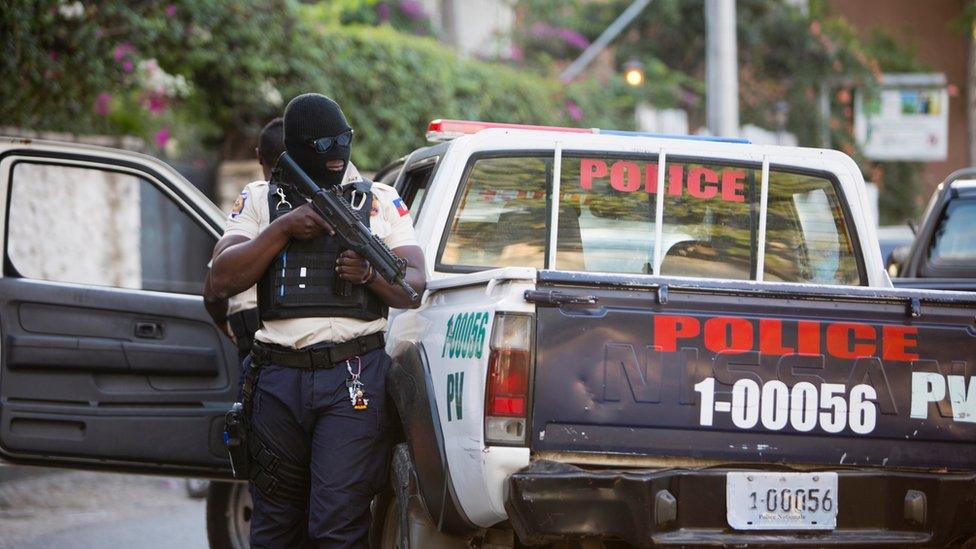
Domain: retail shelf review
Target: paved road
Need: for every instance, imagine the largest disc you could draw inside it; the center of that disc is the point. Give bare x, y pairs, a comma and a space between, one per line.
72, 509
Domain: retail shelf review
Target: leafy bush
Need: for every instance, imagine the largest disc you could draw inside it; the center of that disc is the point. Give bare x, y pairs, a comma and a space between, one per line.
390, 85
209, 73
201, 70
784, 55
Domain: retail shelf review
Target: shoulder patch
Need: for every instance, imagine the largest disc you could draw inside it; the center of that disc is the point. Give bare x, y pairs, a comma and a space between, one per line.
401, 207
239, 205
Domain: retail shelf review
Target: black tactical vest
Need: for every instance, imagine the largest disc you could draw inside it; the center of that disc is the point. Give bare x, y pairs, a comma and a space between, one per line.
302, 282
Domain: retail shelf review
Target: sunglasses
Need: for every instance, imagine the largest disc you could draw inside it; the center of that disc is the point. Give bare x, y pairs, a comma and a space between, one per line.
326, 144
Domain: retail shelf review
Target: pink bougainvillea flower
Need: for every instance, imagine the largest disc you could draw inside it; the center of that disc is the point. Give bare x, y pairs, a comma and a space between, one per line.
128, 65
412, 9
567, 35
575, 112
383, 12
122, 50
542, 30
155, 102
574, 38
103, 103
162, 136
170, 10
516, 53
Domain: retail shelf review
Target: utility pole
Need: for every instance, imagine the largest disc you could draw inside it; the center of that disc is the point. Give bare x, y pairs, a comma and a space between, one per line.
721, 68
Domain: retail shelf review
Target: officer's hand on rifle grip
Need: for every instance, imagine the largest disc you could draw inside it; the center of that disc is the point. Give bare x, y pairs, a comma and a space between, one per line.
303, 223
352, 267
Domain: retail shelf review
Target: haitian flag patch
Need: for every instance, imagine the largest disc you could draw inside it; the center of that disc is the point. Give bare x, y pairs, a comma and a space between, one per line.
239, 205
401, 207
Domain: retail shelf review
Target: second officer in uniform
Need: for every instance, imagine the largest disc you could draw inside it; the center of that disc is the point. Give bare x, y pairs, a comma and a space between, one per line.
319, 408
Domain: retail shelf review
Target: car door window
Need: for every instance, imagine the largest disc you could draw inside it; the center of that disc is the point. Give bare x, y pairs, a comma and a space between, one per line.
955, 237
501, 217
104, 228
415, 187
807, 237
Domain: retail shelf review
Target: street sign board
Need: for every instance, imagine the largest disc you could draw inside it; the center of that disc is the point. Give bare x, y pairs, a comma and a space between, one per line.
906, 119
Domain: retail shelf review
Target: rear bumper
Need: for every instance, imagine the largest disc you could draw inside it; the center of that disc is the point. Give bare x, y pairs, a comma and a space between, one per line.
549, 501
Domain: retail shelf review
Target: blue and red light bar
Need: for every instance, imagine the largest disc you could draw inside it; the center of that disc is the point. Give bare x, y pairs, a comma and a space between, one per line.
445, 129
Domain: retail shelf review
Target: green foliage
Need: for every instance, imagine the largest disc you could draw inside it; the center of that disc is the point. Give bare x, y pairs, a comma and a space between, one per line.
212, 72
785, 57
783, 54
53, 67
390, 85
200, 68
408, 16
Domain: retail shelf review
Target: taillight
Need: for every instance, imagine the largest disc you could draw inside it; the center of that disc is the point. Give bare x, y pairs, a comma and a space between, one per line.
507, 390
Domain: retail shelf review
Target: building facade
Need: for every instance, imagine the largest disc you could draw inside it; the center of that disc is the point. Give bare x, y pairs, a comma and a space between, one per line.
928, 29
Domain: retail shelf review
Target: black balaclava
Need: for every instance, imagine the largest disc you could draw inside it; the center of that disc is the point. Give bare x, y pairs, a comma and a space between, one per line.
308, 117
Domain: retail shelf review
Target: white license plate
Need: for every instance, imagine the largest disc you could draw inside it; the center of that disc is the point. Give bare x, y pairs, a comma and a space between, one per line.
781, 501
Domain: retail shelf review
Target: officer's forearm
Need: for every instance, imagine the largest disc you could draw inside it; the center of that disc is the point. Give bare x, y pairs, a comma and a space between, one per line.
239, 264
216, 306
393, 295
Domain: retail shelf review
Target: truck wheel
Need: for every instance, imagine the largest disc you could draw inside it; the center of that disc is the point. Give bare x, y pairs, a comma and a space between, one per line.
400, 520
229, 515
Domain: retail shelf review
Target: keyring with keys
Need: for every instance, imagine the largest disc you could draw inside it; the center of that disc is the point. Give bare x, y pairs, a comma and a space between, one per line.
356, 395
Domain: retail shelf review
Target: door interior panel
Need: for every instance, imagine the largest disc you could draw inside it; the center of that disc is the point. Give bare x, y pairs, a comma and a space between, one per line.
92, 374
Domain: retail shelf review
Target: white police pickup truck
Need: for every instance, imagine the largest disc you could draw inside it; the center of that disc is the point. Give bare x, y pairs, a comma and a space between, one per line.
626, 339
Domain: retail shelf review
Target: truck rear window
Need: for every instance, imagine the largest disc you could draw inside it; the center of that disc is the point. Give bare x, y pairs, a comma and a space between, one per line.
500, 220
607, 213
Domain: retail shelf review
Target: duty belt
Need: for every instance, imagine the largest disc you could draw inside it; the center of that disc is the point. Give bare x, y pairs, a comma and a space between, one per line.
316, 356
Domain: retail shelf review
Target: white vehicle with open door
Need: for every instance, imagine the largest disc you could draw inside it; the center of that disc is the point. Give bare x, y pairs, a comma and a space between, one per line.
109, 360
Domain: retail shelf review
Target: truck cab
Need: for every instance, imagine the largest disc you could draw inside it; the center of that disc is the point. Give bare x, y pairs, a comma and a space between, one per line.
943, 254
647, 339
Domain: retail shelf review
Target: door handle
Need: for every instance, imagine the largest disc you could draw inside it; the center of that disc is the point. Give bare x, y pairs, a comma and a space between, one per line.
149, 330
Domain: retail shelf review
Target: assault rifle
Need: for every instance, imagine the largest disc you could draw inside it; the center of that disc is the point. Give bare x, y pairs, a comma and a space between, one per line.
349, 230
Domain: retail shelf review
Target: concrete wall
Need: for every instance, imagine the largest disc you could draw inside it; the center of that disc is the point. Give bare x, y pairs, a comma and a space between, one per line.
232, 177
480, 27
75, 225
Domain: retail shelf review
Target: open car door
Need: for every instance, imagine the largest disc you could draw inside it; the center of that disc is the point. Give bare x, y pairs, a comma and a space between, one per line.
109, 359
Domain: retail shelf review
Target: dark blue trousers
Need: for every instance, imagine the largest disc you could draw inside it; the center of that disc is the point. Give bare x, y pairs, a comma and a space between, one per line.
306, 417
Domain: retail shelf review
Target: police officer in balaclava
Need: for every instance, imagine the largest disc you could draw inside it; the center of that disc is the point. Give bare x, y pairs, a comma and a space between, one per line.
319, 388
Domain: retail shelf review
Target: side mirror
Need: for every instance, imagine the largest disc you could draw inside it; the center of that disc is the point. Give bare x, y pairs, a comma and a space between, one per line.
912, 225
895, 260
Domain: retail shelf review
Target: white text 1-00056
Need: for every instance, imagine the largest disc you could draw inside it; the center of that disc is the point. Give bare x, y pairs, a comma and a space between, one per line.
804, 407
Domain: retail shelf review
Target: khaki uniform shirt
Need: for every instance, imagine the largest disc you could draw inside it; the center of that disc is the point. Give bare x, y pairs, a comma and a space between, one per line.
389, 220
248, 299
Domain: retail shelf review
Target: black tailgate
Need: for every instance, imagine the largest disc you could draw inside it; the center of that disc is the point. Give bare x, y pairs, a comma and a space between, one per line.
619, 357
